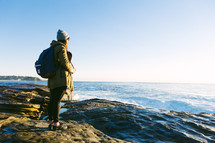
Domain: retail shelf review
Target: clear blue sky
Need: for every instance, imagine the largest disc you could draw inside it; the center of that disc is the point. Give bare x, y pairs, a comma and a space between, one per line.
114, 40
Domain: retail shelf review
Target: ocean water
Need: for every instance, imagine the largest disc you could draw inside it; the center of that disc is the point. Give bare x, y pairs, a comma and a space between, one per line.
194, 98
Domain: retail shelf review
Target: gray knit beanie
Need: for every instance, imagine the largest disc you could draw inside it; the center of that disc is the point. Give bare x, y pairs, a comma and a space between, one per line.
62, 35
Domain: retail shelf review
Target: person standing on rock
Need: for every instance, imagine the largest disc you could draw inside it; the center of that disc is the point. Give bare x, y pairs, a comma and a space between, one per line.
62, 80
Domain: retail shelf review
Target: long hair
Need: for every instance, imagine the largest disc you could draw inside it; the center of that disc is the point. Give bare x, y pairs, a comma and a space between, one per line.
64, 42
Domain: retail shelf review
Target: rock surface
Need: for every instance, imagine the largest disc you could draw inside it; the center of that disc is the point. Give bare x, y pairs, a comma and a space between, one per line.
21, 130
24, 99
135, 124
21, 105
95, 120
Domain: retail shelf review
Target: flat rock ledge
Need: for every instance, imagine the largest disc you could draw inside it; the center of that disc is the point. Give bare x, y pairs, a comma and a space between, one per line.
21, 108
22, 129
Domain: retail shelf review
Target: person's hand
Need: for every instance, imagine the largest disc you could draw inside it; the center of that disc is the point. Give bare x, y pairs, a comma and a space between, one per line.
73, 70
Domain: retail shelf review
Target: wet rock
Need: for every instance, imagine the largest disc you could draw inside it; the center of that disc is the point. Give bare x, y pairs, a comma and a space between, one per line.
95, 120
135, 124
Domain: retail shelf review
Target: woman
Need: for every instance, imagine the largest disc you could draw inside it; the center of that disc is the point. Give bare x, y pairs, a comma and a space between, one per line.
62, 80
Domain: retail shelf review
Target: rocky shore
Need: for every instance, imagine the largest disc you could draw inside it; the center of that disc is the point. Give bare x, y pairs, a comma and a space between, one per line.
22, 106
23, 119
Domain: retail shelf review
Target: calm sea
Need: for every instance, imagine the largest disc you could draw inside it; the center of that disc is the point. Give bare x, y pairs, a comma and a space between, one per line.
193, 98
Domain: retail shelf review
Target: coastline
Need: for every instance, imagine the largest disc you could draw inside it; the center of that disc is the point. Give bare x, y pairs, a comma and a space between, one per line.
95, 120
22, 107
20, 78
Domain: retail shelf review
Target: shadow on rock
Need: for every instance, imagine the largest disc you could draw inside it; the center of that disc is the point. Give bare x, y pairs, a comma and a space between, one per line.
21, 104
27, 130
132, 123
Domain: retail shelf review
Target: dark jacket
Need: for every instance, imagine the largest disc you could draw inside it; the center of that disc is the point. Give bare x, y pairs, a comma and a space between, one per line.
63, 76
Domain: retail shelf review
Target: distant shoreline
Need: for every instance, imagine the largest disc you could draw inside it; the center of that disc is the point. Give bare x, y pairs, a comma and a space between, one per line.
19, 78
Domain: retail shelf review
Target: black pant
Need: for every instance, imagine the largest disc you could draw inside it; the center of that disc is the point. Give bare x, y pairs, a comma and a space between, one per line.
54, 103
